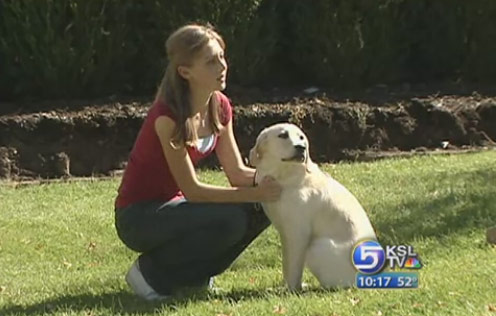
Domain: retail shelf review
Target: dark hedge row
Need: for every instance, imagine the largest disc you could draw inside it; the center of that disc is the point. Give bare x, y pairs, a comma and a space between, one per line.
80, 48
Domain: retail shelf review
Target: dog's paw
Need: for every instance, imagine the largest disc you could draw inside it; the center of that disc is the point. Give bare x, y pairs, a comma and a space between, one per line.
295, 288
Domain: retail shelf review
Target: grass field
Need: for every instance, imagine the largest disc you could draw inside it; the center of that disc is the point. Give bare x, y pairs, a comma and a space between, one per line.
59, 253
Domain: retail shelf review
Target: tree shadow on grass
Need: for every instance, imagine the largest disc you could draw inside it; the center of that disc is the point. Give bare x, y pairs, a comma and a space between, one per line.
124, 303
445, 214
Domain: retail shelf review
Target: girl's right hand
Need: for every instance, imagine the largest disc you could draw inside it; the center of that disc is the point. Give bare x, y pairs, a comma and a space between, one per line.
269, 189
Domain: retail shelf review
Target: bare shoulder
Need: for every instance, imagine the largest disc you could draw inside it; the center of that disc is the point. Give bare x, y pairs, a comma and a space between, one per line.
164, 126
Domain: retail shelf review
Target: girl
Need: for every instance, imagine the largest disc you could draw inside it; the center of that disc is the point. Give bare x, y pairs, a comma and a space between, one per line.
187, 231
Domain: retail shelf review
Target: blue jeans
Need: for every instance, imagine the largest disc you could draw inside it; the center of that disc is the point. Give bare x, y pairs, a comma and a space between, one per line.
184, 243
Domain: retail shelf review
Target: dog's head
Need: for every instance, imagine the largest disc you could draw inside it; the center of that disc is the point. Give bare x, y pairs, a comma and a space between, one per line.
280, 143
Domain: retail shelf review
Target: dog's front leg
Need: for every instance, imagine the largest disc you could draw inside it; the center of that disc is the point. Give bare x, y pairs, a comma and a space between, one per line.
294, 246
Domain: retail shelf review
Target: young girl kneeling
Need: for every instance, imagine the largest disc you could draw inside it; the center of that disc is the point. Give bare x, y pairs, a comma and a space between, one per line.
188, 231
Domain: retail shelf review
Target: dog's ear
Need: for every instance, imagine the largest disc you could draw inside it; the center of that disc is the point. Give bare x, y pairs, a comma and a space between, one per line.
308, 162
254, 158
256, 153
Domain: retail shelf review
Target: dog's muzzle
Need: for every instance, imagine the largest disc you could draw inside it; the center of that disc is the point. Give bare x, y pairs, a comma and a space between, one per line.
300, 153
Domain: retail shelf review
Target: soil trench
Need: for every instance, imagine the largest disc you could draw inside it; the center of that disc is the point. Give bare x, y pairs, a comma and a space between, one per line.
96, 140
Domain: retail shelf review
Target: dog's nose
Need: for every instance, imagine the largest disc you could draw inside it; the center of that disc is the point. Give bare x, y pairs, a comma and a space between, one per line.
300, 148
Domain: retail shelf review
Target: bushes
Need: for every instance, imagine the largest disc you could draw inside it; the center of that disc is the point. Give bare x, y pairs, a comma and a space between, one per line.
78, 48
348, 43
63, 48
353, 43
480, 43
84, 49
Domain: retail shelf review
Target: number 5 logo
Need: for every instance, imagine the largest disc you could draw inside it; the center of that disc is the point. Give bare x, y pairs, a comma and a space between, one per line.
368, 257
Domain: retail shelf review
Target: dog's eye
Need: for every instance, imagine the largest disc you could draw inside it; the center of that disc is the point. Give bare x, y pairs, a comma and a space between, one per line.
284, 135
301, 137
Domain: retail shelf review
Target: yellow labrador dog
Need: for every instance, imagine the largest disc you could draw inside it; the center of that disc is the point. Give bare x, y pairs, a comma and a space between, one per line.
318, 220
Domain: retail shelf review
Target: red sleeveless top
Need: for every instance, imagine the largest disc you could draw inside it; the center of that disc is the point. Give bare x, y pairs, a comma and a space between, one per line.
148, 175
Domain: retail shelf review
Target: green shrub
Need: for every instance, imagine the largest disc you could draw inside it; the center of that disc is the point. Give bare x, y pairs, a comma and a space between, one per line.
78, 48
480, 59
343, 43
85, 49
62, 48
353, 43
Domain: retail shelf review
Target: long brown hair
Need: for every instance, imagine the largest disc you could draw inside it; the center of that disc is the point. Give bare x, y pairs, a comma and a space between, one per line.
182, 46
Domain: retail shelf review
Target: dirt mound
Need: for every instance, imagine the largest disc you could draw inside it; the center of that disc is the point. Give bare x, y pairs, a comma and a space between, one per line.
97, 140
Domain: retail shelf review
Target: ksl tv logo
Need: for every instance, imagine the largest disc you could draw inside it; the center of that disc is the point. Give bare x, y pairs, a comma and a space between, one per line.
369, 257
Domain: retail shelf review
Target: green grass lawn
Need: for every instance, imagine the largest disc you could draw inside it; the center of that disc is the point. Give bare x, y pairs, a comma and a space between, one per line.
59, 253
